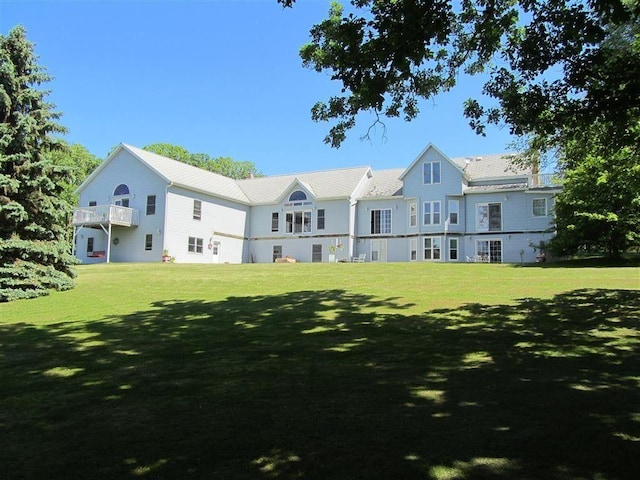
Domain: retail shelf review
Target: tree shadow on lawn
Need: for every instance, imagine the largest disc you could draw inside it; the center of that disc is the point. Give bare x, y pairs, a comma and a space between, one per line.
328, 384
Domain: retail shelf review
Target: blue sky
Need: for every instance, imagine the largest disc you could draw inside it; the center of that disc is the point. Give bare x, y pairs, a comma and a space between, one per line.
221, 77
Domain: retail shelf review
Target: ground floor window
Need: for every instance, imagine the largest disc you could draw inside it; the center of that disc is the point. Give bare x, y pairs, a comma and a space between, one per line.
453, 249
432, 248
148, 241
195, 245
316, 252
277, 252
90, 241
489, 250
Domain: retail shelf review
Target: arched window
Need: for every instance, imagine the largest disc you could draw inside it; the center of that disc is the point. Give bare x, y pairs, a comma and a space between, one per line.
121, 189
297, 196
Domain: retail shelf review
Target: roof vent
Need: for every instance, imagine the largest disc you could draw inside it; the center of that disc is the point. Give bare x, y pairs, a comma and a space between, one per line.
478, 159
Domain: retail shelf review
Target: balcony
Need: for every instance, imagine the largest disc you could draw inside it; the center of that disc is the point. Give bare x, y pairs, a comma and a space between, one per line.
105, 215
546, 180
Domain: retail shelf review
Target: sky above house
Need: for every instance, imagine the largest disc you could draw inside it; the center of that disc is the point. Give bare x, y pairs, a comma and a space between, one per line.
221, 77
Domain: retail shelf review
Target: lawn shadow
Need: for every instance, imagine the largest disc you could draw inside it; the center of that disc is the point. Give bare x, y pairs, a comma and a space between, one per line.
328, 384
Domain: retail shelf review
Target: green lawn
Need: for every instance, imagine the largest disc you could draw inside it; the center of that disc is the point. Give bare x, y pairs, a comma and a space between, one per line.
341, 371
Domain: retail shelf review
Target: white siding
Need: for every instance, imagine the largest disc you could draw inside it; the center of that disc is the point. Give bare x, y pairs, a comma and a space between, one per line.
221, 221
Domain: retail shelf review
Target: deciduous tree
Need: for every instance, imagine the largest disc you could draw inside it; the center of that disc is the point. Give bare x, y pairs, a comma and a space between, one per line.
222, 165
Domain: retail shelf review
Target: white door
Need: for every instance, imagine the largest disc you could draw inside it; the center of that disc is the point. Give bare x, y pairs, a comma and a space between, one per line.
379, 250
215, 252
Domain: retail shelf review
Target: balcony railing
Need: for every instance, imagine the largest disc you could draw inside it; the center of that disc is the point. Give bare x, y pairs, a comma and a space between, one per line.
106, 214
545, 180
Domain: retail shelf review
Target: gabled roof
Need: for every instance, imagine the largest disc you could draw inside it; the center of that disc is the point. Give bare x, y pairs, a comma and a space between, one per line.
430, 146
339, 183
383, 183
188, 176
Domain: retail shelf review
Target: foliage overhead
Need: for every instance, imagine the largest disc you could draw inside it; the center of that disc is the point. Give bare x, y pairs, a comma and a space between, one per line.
34, 246
222, 165
547, 62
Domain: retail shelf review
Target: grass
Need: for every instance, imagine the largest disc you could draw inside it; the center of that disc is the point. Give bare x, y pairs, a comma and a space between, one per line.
299, 371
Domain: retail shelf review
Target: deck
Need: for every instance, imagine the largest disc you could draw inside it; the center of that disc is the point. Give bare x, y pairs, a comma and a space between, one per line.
105, 215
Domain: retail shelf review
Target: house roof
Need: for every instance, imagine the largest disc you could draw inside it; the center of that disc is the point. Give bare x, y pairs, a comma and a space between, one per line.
338, 183
328, 184
489, 166
383, 183
188, 176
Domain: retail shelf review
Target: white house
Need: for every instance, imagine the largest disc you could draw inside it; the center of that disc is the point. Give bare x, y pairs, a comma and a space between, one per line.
137, 206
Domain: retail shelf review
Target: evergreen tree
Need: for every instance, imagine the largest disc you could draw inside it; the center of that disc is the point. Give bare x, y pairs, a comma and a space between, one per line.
34, 245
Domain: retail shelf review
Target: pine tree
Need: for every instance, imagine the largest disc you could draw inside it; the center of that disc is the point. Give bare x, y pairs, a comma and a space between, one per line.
34, 243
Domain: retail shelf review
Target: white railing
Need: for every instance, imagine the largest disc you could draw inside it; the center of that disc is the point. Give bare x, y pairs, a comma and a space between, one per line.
105, 214
545, 180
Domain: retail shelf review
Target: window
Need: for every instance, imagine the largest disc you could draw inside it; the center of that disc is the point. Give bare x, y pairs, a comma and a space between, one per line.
431, 173
316, 252
151, 204
432, 213
539, 207
320, 219
297, 196
432, 248
454, 210
197, 210
298, 222
381, 221
195, 245
413, 249
90, 245
93, 203
121, 195
121, 189
453, 249
148, 241
277, 252
488, 217
413, 214
275, 221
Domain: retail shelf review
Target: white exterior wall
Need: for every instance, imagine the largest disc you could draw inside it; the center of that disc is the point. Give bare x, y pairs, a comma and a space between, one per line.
221, 221
130, 243
299, 245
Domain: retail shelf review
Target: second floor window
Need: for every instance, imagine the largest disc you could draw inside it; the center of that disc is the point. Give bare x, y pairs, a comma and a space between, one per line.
488, 217
413, 214
197, 210
381, 221
320, 219
298, 222
454, 211
539, 207
275, 221
151, 204
432, 213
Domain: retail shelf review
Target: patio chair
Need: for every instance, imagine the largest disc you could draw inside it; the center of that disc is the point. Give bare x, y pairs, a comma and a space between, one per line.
359, 259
